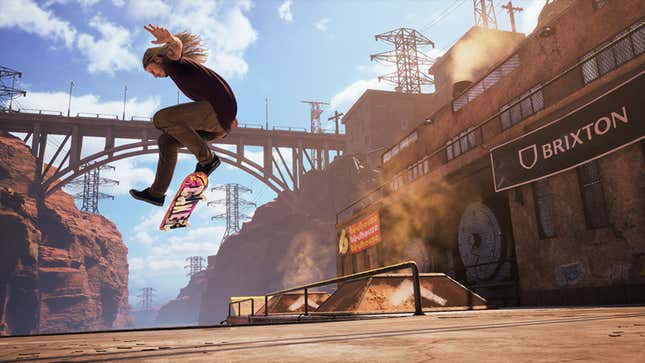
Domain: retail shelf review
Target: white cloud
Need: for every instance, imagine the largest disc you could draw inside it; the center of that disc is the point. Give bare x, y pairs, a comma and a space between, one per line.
322, 24
344, 99
146, 9
224, 27
111, 52
284, 11
530, 15
84, 3
29, 17
118, 3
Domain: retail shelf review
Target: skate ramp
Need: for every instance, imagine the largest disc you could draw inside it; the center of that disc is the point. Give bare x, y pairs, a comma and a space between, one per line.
391, 293
293, 302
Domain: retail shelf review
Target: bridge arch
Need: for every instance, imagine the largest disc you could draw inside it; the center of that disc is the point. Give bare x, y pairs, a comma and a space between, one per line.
62, 176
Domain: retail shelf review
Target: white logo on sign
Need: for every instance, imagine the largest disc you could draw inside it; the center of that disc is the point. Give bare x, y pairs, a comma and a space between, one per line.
535, 156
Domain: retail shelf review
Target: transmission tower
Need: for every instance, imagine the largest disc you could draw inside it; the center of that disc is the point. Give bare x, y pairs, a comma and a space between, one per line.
91, 195
146, 296
8, 92
196, 264
316, 111
485, 13
407, 57
233, 204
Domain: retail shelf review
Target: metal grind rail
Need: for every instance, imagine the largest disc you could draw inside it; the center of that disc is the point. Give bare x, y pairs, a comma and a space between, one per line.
357, 276
239, 306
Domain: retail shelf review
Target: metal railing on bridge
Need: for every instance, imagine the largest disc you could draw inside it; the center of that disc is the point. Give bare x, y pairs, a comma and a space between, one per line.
148, 118
353, 277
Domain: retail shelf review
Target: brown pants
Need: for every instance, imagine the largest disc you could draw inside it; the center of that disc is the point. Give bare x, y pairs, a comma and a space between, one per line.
191, 125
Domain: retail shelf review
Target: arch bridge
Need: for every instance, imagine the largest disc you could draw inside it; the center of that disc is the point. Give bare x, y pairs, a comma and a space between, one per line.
280, 170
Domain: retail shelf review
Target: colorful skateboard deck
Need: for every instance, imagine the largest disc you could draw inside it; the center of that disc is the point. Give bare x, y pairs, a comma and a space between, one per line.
182, 206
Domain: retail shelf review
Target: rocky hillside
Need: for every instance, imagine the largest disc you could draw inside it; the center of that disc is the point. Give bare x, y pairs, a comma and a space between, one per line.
61, 269
185, 308
290, 241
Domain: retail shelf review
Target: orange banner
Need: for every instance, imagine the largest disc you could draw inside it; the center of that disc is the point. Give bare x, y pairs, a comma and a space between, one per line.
365, 233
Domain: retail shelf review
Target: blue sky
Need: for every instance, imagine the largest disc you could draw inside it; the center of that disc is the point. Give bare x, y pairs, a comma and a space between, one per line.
284, 50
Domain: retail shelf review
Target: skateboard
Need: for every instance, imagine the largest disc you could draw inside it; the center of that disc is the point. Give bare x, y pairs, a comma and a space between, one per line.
182, 206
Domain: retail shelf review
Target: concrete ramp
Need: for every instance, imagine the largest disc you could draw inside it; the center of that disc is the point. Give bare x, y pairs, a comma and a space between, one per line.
293, 303
391, 293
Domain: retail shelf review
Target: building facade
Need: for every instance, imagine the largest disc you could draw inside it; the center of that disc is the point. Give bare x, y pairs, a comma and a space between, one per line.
528, 183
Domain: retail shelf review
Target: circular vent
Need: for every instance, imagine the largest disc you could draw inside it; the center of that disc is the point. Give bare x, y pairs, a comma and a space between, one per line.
480, 242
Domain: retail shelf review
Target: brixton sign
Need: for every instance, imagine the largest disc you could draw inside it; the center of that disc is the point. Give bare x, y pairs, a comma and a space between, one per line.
604, 125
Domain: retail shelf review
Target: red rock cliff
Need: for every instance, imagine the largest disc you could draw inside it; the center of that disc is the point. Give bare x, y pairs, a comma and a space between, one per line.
61, 270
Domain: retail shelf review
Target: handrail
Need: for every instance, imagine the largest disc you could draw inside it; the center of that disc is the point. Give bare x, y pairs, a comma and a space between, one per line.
251, 126
239, 306
478, 127
40, 112
81, 114
409, 264
289, 128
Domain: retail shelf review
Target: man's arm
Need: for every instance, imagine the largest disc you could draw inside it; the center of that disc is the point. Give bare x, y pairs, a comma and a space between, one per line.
173, 43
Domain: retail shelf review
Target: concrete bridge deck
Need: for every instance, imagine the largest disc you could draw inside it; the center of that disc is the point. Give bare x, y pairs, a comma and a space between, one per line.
600, 334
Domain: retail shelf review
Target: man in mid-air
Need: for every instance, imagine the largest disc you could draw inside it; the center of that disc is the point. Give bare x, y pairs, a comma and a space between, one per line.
190, 124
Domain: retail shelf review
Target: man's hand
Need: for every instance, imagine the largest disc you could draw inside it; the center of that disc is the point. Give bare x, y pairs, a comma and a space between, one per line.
163, 36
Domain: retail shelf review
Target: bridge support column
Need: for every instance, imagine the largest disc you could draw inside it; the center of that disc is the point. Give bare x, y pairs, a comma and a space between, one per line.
35, 139
40, 156
326, 154
109, 140
144, 137
301, 164
75, 148
240, 148
268, 158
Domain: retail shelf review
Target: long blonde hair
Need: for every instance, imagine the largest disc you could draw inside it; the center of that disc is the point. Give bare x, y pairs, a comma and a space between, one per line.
192, 48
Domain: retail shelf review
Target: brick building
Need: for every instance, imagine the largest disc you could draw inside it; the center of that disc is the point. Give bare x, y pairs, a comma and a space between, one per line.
526, 182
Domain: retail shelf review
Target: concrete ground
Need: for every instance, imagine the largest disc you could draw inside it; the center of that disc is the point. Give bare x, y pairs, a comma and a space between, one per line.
602, 334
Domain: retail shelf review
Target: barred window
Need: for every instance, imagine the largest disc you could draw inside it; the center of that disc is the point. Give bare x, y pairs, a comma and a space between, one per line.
618, 54
460, 144
544, 208
530, 105
399, 146
593, 198
487, 82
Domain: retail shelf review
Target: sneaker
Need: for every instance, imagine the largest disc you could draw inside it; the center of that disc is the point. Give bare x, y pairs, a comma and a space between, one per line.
145, 196
210, 167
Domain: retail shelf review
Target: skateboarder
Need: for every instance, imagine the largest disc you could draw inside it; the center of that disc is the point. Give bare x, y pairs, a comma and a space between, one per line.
190, 124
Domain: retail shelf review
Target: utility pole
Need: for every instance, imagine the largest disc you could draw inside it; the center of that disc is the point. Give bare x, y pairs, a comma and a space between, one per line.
177, 96
90, 195
336, 118
125, 94
196, 264
146, 296
315, 113
407, 57
485, 13
266, 100
9, 92
511, 12
233, 204
69, 102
